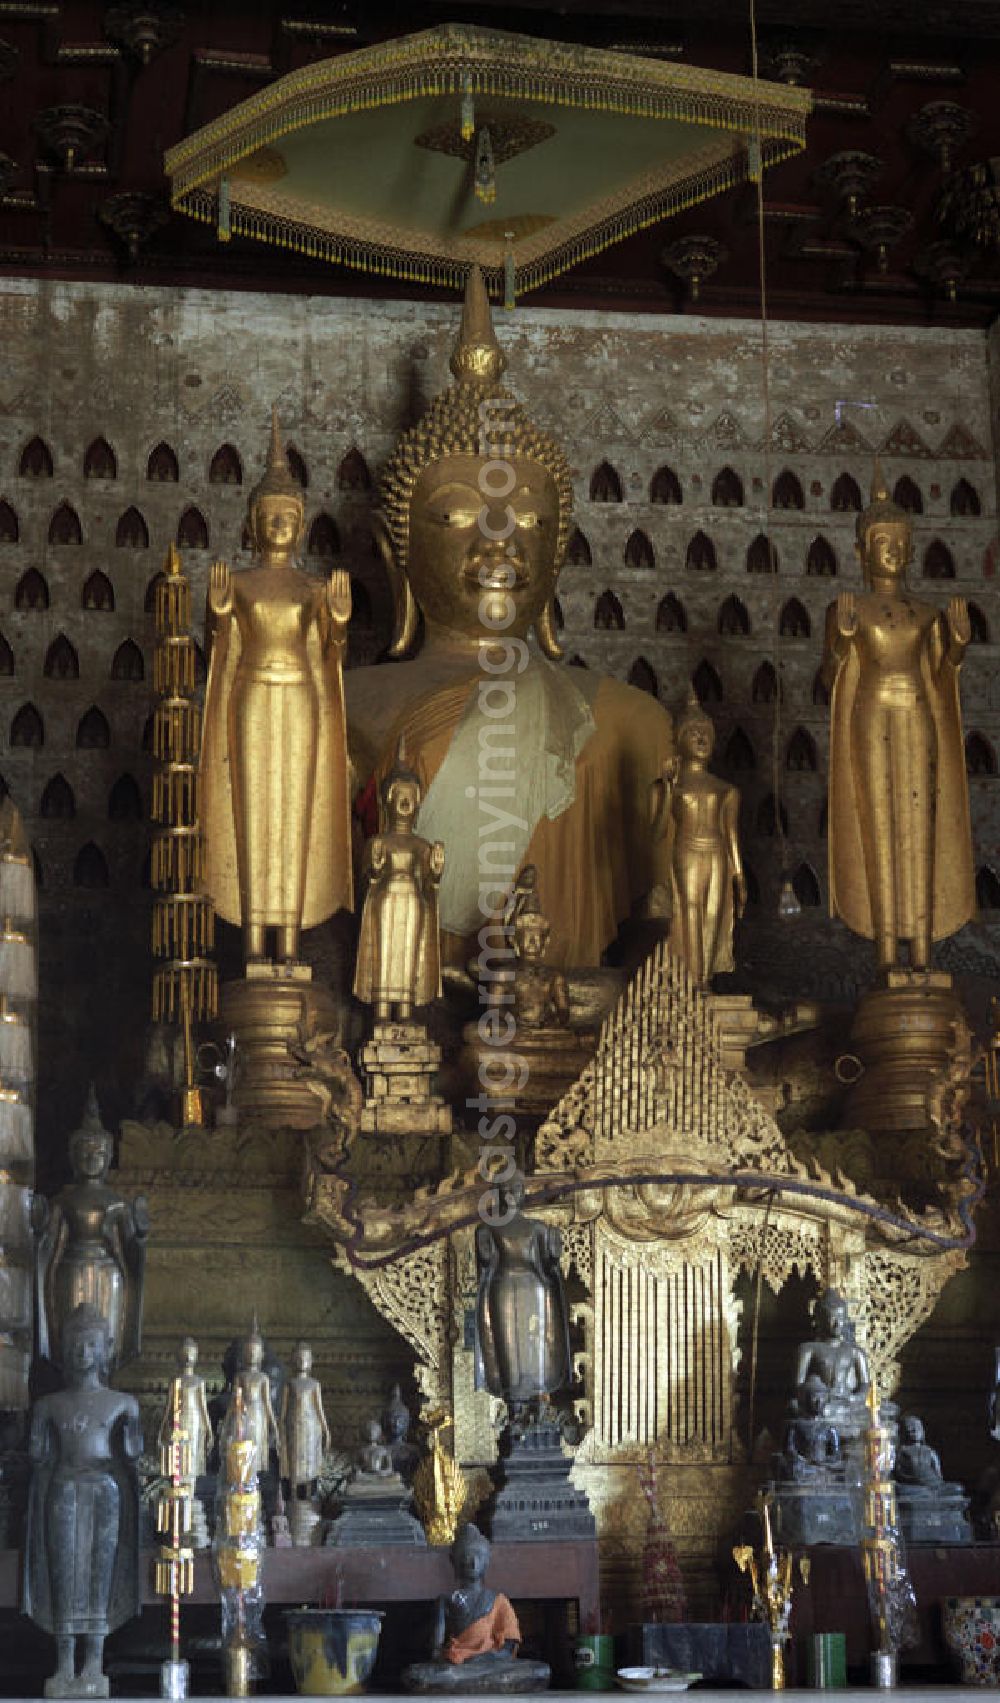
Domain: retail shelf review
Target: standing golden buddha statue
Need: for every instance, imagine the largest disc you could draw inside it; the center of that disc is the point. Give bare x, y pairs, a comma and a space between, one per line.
698, 814
399, 965
274, 805
399, 954
900, 836
273, 777
519, 760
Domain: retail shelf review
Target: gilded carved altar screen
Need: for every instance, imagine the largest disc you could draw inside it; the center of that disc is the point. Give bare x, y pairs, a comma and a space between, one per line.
664, 1349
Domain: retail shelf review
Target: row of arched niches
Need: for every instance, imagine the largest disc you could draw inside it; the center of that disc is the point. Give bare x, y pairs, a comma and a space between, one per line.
75, 716
727, 489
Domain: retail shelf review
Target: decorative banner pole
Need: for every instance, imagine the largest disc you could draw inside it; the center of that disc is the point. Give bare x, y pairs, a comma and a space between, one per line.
175, 1567
185, 987
239, 1539
890, 1593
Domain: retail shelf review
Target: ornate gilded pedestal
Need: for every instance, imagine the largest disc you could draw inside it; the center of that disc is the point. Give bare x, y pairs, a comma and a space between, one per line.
540, 1064
400, 1062
274, 1008
906, 1036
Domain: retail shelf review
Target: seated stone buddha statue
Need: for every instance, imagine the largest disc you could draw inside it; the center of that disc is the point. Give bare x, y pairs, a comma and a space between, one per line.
519, 760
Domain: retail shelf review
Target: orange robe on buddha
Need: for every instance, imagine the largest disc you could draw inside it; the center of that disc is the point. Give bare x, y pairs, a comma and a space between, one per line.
491, 1632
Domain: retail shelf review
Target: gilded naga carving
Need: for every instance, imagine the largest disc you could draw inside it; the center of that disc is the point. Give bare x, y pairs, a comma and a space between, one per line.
900, 835
698, 815
275, 806
574, 753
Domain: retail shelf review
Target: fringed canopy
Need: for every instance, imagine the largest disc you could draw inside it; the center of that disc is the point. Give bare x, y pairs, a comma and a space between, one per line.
387, 159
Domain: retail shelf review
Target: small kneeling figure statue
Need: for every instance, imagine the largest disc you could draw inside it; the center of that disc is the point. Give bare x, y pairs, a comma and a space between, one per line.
81, 1563
476, 1635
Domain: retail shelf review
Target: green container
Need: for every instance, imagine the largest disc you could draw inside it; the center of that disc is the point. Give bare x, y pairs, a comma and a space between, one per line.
826, 1660
595, 1662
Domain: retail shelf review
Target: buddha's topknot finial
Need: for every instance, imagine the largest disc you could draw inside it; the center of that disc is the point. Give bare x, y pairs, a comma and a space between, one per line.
693, 715
277, 480
881, 509
478, 357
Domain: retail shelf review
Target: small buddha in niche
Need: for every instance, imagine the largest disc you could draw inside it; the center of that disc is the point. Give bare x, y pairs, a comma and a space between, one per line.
900, 841
697, 815
374, 1456
481, 705
396, 1423
274, 791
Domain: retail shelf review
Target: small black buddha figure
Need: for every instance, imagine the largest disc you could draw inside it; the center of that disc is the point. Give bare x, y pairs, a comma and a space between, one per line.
476, 1634
842, 1367
931, 1510
396, 1431
522, 1325
812, 1444
91, 1247
81, 1562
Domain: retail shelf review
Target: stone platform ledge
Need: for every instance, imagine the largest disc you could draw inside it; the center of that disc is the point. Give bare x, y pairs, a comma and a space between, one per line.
848, 1693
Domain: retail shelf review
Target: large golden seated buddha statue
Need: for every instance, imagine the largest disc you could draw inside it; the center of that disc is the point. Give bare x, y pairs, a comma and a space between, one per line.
519, 760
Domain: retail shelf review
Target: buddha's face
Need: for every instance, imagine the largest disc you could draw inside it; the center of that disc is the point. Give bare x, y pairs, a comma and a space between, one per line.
277, 522
470, 1561
403, 802
84, 1349
255, 1353
533, 939
886, 551
836, 1320
303, 1359
696, 740
464, 580
913, 1429
189, 1354
90, 1155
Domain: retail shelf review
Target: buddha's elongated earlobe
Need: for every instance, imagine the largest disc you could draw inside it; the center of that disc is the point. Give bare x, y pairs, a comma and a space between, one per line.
405, 614
545, 627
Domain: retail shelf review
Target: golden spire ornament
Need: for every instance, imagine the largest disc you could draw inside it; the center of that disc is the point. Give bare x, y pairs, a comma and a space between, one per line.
772, 1582
185, 986
477, 357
